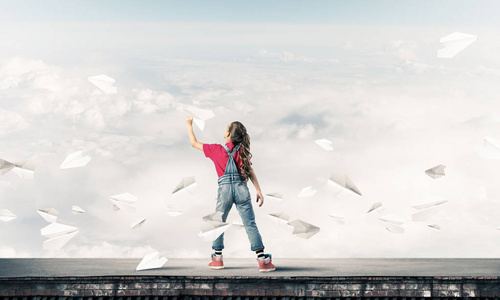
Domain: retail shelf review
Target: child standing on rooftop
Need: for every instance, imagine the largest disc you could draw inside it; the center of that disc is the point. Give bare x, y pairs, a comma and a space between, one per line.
233, 166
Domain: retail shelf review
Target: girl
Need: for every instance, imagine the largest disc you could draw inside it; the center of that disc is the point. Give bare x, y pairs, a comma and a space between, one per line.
233, 166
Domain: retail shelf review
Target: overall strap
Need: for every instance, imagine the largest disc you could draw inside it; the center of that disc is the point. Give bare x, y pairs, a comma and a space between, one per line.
231, 153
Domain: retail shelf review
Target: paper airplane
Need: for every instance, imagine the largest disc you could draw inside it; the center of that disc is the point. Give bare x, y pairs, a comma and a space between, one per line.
394, 228
6, 215
216, 216
124, 200
455, 43
77, 210
375, 206
436, 172
210, 230
424, 214
325, 144
104, 83
49, 214
151, 261
490, 148
199, 115
429, 201
5, 166
344, 182
186, 184
274, 197
58, 234
303, 229
237, 224
23, 169
75, 160
280, 218
435, 227
174, 212
393, 219
308, 191
338, 218
137, 223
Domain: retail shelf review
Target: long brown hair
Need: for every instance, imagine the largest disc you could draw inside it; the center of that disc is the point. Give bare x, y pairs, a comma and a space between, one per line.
239, 136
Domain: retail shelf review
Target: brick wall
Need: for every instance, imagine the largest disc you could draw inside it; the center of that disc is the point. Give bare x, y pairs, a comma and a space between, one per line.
272, 288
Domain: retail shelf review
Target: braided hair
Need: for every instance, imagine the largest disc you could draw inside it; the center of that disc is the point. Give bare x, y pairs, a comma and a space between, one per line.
239, 136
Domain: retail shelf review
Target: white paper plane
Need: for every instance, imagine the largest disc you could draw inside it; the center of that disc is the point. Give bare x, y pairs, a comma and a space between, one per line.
210, 230
274, 197
199, 115
124, 200
174, 212
6, 215
344, 182
137, 223
455, 43
77, 210
436, 172
75, 160
237, 224
338, 218
280, 218
186, 184
308, 191
424, 214
215, 216
429, 201
394, 228
435, 227
24, 169
393, 219
374, 207
5, 166
325, 144
104, 83
303, 229
49, 214
490, 148
151, 261
58, 234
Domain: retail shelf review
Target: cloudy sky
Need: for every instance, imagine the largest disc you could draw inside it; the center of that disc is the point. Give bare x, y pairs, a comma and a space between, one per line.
363, 74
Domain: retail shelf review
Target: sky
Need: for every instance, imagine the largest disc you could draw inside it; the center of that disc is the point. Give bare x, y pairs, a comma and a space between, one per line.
362, 74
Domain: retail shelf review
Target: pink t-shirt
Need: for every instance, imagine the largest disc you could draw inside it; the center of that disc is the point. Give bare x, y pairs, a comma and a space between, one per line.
218, 155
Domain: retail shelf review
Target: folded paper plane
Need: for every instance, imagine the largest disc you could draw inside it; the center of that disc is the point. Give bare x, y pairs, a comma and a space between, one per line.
280, 218
436, 172
490, 148
49, 214
455, 43
325, 144
174, 212
23, 169
344, 182
77, 210
104, 83
274, 197
124, 200
199, 115
210, 230
6, 215
75, 160
424, 214
393, 219
374, 207
151, 261
393, 228
58, 234
215, 216
308, 191
5, 166
237, 224
137, 223
187, 184
435, 227
338, 218
429, 201
303, 229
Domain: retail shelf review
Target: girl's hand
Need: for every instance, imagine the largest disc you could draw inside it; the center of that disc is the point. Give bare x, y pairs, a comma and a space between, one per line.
260, 197
189, 120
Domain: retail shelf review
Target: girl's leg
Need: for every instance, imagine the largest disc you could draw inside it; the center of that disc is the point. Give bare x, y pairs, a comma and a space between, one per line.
244, 206
224, 204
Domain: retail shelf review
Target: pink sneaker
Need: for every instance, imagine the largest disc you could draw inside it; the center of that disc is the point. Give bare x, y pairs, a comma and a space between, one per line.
217, 262
265, 264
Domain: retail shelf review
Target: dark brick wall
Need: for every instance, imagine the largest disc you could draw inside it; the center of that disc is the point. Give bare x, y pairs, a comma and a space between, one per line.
250, 288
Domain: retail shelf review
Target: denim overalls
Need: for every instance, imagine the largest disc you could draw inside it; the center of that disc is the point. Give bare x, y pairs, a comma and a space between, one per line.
233, 190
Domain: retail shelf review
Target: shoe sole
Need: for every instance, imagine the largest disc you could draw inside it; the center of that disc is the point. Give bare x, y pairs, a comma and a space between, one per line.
216, 268
267, 270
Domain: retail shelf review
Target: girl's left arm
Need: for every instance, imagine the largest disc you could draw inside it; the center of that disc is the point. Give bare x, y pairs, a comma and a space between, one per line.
253, 178
192, 138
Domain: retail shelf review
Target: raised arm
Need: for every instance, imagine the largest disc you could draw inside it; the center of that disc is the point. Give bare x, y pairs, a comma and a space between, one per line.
253, 178
192, 138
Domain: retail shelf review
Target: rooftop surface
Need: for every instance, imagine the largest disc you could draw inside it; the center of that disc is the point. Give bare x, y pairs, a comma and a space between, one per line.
341, 267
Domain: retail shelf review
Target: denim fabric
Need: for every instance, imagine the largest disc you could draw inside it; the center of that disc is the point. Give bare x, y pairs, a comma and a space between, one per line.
233, 190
